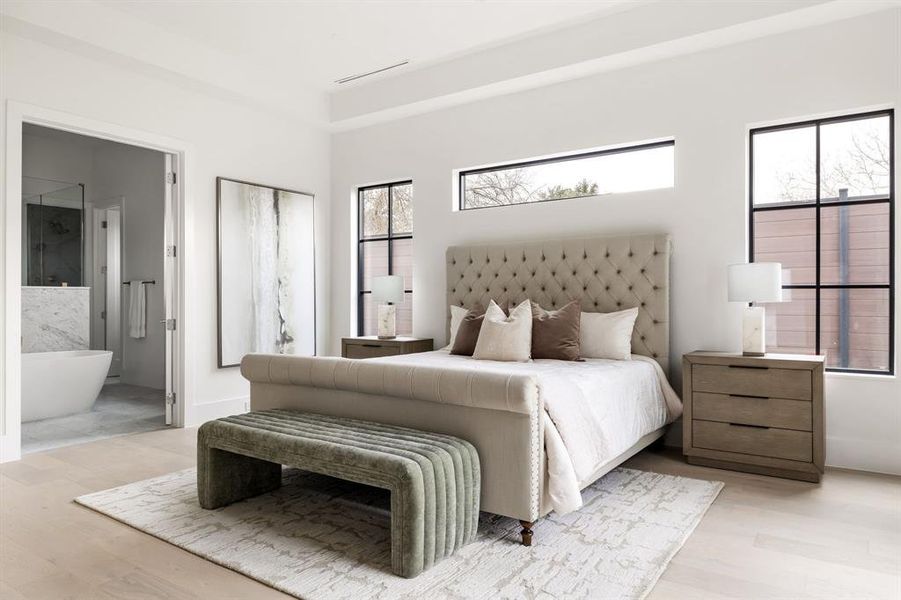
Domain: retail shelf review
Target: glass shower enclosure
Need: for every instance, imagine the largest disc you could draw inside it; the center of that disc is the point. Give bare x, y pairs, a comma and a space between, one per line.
53, 222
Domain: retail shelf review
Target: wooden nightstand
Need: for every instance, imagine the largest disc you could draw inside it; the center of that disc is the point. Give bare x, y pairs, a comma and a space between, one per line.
756, 414
370, 346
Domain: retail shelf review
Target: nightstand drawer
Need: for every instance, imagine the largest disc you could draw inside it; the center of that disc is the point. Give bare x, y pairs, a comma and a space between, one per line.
370, 346
748, 410
772, 442
369, 350
752, 381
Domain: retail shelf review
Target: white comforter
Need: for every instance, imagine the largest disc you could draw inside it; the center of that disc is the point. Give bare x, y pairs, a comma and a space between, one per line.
594, 411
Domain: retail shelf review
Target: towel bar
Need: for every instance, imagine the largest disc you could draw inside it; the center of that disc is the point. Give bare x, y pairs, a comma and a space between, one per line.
150, 281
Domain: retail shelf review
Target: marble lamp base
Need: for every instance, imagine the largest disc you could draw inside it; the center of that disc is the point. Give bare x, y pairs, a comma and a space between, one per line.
387, 319
753, 339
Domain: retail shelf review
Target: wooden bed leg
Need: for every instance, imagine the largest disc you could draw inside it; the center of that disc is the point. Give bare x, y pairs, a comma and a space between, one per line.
526, 532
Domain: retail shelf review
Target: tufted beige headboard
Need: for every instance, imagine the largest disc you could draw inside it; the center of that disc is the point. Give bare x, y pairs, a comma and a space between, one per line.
606, 273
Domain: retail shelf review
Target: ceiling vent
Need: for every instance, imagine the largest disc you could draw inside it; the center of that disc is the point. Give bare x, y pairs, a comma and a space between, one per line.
350, 78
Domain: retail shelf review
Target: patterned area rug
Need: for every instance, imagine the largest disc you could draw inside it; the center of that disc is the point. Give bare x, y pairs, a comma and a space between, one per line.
320, 538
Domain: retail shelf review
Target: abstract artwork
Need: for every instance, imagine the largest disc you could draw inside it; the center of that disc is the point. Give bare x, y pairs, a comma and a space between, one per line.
266, 271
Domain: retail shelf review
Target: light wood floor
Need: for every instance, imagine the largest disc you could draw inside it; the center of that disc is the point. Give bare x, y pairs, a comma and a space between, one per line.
762, 538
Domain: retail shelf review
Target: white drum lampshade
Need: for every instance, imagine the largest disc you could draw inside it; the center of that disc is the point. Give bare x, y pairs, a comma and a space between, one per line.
755, 282
387, 290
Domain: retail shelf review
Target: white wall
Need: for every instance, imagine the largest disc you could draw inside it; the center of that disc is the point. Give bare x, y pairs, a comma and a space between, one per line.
706, 101
227, 137
137, 175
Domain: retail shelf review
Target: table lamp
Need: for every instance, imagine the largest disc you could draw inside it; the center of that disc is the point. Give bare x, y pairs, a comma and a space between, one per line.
387, 290
755, 282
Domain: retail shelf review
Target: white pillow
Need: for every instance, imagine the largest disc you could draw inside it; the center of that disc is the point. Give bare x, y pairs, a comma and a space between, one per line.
457, 314
505, 338
607, 335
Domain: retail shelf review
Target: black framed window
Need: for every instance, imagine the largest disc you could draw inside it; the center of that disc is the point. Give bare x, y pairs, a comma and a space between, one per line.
822, 201
384, 247
626, 169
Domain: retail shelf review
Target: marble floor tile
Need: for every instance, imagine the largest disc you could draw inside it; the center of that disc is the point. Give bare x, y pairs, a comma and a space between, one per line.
120, 409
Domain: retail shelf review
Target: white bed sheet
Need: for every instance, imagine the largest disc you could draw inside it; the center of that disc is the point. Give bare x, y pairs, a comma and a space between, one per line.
594, 410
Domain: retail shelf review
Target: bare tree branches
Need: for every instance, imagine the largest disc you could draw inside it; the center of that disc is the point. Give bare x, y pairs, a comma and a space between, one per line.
862, 168
375, 210
515, 186
499, 188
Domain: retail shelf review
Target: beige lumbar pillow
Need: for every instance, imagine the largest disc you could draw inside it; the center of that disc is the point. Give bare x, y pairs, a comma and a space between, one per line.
505, 338
607, 335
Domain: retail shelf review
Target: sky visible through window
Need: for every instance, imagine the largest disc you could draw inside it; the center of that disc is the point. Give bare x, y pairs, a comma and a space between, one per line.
628, 171
613, 173
853, 155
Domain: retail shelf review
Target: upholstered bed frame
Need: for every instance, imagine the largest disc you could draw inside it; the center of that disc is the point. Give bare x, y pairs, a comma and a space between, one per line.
605, 273
500, 415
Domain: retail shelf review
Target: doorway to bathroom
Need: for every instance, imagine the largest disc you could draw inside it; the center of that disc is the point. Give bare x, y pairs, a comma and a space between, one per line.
97, 289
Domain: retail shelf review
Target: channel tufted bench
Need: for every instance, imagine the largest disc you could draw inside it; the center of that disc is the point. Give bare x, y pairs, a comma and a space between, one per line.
434, 479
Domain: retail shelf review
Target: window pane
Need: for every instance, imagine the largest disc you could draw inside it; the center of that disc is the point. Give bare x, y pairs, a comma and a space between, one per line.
402, 259
854, 155
854, 246
405, 316
789, 237
791, 325
402, 210
855, 328
373, 262
626, 171
784, 166
375, 212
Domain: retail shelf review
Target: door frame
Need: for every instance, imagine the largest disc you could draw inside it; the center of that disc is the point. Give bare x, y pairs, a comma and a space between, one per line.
18, 113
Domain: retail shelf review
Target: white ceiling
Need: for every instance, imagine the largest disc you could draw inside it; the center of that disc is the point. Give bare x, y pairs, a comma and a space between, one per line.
285, 55
319, 42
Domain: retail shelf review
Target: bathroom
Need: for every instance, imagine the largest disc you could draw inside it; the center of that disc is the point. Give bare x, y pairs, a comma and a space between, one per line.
93, 299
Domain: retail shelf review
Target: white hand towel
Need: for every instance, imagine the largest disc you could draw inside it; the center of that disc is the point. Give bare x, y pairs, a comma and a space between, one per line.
137, 309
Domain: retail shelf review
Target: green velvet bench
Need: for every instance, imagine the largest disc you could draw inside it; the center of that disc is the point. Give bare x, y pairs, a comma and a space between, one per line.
434, 479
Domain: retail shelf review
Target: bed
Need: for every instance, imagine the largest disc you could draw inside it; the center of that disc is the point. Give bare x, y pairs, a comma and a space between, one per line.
544, 429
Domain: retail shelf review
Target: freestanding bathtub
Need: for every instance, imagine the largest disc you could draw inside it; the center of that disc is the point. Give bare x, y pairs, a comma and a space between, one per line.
55, 384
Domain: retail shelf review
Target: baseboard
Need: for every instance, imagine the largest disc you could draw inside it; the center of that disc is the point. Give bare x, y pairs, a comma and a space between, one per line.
9, 449
201, 413
863, 455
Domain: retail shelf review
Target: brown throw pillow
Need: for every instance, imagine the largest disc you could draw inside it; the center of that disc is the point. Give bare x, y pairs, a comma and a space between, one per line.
468, 332
555, 333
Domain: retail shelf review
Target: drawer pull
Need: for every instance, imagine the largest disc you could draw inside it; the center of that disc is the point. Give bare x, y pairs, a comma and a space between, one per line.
371, 345
746, 425
749, 396
747, 367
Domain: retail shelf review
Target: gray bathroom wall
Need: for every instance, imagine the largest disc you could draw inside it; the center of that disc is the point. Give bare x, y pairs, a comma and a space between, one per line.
135, 178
